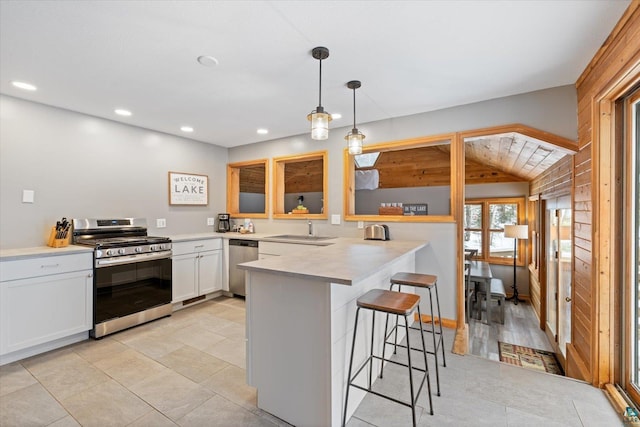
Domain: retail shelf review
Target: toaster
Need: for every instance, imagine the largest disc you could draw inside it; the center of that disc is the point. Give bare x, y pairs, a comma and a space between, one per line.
376, 232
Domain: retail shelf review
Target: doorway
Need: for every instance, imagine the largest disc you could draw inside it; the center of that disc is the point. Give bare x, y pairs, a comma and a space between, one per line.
559, 257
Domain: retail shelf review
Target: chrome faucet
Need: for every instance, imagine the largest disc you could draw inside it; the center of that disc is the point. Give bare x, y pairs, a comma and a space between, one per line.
310, 228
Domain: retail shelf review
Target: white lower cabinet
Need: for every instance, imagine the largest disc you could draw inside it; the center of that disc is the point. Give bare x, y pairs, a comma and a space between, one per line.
41, 301
197, 268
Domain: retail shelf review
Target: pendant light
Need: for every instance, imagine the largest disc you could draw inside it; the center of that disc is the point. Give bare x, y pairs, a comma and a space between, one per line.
354, 138
319, 118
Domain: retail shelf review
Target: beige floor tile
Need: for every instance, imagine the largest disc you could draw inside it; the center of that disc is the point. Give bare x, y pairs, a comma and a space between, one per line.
230, 350
14, 377
107, 404
192, 363
172, 394
154, 346
218, 411
130, 367
70, 378
153, 419
196, 336
231, 383
95, 350
67, 421
30, 406
234, 330
237, 315
44, 362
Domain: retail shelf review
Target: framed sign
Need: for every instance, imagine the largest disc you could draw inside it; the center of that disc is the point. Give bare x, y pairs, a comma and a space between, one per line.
188, 189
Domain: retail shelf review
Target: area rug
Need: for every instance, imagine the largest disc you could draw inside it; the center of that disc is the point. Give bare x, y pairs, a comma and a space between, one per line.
530, 358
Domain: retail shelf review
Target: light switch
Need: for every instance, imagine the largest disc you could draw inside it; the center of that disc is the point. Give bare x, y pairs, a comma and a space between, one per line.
360, 224
28, 196
161, 223
335, 219
210, 221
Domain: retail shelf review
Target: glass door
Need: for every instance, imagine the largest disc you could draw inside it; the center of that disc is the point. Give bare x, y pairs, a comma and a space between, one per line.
552, 273
564, 280
631, 245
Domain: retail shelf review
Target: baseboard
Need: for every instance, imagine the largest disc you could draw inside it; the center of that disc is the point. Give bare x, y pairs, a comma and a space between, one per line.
446, 323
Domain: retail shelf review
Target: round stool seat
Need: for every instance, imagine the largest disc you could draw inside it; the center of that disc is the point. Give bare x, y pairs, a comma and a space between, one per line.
389, 302
414, 279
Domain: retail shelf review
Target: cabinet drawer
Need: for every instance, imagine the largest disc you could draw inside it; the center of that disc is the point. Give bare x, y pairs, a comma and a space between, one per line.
193, 246
43, 266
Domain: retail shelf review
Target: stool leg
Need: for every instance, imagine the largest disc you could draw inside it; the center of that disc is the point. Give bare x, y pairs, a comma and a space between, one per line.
435, 346
444, 361
426, 366
353, 346
395, 340
384, 344
413, 399
373, 329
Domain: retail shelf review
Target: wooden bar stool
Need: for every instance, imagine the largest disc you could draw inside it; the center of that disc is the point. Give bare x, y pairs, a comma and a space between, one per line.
429, 282
400, 304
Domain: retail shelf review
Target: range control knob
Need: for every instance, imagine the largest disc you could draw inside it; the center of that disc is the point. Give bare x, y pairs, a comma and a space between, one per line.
99, 253
153, 248
121, 251
138, 249
109, 252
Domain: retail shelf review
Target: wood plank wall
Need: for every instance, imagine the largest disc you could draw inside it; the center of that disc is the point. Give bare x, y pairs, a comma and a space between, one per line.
590, 354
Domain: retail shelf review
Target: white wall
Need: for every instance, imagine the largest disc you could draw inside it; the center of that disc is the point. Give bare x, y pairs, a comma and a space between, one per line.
82, 166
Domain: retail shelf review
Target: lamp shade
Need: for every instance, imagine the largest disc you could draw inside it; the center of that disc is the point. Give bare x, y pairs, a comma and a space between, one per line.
354, 142
516, 231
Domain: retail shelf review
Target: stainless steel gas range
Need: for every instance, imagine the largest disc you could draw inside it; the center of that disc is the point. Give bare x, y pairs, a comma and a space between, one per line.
132, 272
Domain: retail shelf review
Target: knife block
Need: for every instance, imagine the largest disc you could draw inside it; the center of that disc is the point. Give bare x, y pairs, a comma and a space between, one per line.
58, 243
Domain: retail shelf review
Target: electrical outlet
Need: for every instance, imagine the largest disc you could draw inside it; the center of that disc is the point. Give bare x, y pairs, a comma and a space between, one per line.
335, 219
28, 196
210, 221
360, 224
161, 223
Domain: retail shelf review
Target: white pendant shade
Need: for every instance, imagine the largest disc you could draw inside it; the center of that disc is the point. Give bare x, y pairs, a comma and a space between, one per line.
354, 142
319, 125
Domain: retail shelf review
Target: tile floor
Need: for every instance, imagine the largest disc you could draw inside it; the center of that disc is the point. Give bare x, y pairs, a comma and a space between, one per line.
188, 370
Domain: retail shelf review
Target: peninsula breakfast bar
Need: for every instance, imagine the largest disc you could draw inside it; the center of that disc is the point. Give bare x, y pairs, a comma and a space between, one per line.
300, 314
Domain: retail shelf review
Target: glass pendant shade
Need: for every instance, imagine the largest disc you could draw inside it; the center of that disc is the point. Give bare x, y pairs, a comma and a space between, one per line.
354, 141
319, 125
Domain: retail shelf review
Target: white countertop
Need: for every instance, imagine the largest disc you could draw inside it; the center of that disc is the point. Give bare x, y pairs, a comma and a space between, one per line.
41, 251
345, 261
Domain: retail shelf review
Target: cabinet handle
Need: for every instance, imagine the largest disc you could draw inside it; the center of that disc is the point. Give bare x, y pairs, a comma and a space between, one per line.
90, 275
199, 246
50, 265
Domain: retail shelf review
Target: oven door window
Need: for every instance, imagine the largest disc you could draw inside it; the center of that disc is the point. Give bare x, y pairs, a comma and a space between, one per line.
130, 288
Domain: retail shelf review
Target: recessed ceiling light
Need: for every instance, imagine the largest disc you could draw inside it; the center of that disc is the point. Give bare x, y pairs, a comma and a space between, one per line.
263, 131
186, 129
336, 116
24, 85
207, 60
122, 112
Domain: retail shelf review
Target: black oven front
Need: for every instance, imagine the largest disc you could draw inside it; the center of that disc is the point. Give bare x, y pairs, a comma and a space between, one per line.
130, 290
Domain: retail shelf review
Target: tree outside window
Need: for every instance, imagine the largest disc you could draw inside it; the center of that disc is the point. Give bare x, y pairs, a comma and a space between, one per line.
484, 221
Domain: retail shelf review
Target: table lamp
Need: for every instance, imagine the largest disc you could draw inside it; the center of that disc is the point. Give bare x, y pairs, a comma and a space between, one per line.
516, 232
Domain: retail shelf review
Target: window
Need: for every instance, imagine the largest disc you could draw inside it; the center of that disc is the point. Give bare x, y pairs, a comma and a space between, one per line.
484, 221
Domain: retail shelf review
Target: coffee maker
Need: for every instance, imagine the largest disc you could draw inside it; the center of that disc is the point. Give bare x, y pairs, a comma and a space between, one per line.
224, 224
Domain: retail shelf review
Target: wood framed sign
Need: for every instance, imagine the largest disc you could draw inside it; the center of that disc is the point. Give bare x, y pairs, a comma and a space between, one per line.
188, 189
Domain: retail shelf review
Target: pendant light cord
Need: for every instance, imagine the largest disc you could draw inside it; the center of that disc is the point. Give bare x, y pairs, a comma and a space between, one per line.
320, 86
354, 108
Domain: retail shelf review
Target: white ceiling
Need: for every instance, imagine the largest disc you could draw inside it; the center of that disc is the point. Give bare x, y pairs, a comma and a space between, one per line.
411, 56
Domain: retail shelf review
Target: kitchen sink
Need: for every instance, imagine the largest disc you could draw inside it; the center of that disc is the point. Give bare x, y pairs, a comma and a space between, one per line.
300, 237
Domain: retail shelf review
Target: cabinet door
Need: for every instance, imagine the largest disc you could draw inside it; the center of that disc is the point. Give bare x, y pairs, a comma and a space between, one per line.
210, 272
42, 309
184, 277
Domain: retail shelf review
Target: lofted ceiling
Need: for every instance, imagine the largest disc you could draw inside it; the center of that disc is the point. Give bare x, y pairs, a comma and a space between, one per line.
411, 56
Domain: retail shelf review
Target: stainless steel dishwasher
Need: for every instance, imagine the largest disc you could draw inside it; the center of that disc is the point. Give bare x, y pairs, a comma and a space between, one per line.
240, 251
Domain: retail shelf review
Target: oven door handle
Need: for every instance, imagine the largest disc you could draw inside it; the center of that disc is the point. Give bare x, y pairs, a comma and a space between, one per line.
132, 259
